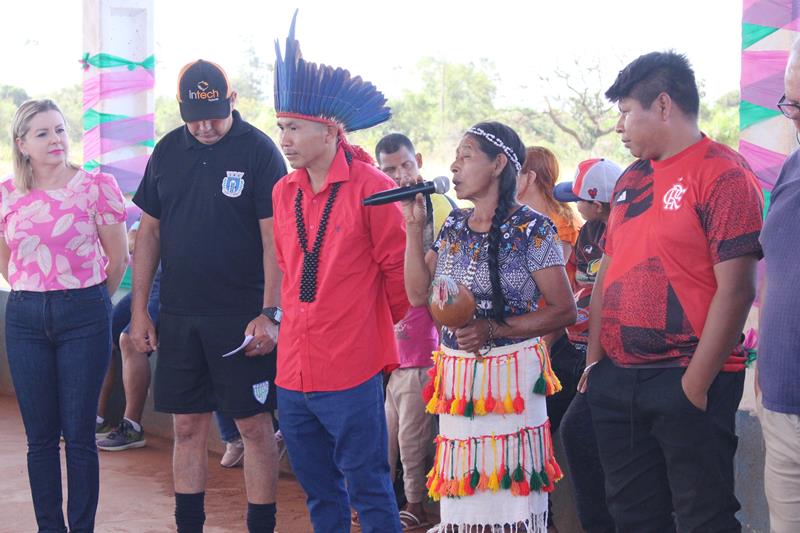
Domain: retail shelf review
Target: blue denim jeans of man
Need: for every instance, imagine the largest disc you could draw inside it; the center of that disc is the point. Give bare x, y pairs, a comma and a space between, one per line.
337, 438
228, 431
59, 345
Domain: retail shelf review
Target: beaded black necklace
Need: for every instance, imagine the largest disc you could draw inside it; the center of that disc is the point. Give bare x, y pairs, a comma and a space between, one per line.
308, 282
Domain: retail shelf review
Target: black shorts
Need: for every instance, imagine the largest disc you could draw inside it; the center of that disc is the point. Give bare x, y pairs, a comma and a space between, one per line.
193, 377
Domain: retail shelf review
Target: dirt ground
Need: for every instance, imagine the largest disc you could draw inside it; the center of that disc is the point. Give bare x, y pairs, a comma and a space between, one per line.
136, 493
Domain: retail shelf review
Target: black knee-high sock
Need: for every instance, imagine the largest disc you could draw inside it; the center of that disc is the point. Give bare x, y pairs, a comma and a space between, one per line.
190, 512
260, 517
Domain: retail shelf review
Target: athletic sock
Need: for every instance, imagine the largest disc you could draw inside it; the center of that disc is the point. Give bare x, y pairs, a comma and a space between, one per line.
189, 512
260, 517
136, 426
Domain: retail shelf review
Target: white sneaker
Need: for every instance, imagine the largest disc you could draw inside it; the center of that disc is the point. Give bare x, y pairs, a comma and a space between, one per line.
234, 453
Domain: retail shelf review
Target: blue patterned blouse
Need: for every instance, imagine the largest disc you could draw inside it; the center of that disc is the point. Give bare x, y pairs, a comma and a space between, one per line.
529, 242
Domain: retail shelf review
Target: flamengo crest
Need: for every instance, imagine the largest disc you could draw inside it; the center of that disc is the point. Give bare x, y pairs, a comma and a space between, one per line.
673, 197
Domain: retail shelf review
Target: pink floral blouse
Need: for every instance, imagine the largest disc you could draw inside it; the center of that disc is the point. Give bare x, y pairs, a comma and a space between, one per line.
52, 234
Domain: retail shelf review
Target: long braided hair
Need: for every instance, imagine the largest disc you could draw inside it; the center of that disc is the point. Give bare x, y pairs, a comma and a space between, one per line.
507, 194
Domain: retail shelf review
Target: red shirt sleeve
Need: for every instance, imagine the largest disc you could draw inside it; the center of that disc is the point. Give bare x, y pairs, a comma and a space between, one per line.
388, 234
277, 242
730, 214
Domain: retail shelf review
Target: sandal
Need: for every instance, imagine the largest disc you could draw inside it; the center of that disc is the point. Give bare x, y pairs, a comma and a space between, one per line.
411, 522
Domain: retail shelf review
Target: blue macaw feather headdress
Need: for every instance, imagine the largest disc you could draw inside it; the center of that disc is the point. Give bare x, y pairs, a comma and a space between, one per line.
319, 91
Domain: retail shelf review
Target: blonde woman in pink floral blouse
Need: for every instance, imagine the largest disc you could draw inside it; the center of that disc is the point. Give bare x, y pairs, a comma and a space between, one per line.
63, 251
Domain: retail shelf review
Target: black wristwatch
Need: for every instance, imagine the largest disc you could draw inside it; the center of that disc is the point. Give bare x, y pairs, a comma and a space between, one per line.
274, 314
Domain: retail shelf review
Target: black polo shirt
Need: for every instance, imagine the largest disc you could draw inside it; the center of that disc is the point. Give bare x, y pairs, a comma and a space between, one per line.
208, 200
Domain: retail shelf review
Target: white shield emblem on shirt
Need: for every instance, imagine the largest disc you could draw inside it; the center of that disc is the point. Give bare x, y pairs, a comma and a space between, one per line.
261, 391
233, 184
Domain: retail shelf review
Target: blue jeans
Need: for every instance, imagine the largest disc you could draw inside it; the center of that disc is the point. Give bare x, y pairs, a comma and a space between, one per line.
59, 344
339, 436
228, 431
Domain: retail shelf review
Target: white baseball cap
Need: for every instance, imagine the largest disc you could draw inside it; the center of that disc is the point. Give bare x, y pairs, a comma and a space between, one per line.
594, 182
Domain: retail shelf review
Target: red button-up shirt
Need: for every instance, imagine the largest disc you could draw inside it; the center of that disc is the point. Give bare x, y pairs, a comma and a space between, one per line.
346, 335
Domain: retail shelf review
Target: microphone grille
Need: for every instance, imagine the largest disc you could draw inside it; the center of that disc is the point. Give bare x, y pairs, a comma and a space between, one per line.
441, 184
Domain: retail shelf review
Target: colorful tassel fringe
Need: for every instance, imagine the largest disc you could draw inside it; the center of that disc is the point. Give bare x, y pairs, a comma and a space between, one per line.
475, 384
521, 463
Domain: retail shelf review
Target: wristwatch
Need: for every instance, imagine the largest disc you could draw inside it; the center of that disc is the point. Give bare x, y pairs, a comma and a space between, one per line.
275, 314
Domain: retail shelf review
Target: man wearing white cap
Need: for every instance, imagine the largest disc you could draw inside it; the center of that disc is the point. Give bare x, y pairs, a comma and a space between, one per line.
592, 189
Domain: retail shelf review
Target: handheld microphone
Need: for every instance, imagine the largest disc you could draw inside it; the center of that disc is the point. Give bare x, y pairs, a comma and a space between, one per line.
439, 185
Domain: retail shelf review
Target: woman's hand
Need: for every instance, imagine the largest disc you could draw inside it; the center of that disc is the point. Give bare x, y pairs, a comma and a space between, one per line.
583, 382
413, 210
473, 336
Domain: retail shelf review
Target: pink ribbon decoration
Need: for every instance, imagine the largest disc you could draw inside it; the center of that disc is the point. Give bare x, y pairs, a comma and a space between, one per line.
758, 66
766, 92
771, 13
132, 212
750, 339
128, 172
765, 163
117, 134
117, 83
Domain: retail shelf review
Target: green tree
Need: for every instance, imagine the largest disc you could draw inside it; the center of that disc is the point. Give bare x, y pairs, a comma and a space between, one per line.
7, 110
16, 94
70, 100
578, 107
255, 78
720, 119
167, 115
453, 97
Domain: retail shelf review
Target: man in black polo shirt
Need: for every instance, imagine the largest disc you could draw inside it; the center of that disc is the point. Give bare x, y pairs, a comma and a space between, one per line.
207, 202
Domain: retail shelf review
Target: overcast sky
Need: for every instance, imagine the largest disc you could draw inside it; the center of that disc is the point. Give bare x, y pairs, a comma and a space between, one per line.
42, 39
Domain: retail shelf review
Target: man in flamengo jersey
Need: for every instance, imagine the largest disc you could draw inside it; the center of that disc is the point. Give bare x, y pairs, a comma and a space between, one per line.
664, 372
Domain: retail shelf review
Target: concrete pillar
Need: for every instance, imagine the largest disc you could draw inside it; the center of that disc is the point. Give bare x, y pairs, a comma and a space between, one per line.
118, 79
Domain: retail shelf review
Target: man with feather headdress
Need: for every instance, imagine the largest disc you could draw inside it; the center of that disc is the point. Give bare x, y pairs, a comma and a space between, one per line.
342, 291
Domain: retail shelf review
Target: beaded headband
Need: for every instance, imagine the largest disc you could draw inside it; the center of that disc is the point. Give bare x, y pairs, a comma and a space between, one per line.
500, 144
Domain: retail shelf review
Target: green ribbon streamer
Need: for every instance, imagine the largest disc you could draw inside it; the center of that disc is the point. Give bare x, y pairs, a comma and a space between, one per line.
127, 279
94, 118
767, 201
104, 60
750, 114
752, 356
752, 33
93, 163
90, 165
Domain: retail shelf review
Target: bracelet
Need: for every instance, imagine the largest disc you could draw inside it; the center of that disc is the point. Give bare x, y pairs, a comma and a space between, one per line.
589, 367
489, 342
